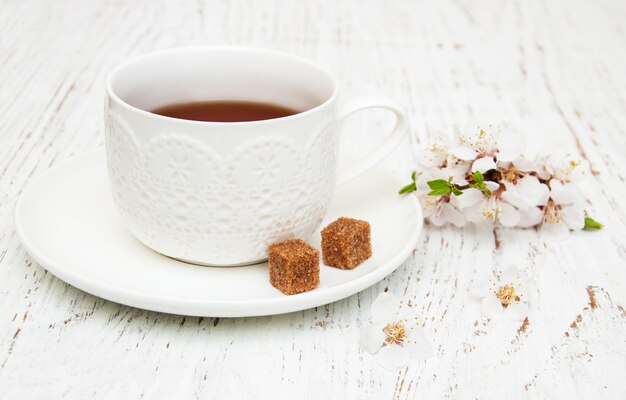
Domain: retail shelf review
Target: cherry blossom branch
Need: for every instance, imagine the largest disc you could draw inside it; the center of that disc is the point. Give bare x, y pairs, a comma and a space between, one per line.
476, 178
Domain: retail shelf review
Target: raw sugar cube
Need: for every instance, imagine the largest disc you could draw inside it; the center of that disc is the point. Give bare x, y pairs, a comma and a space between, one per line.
346, 243
294, 266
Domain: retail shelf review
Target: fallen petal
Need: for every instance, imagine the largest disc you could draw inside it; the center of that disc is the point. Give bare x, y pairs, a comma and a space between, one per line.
392, 357
417, 347
385, 308
480, 288
372, 338
516, 311
491, 306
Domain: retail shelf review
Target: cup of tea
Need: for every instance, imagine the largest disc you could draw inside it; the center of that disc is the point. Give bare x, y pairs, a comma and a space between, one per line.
213, 153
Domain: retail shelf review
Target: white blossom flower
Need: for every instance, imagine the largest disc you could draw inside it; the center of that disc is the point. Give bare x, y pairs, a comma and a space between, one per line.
526, 194
568, 168
435, 154
393, 337
439, 210
484, 164
523, 165
478, 207
485, 142
484, 178
563, 211
436, 157
510, 293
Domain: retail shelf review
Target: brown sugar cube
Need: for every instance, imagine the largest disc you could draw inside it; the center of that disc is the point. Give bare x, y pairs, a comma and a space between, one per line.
346, 243
294, 266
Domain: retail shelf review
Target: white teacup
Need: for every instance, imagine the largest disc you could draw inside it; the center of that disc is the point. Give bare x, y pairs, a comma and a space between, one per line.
217, 193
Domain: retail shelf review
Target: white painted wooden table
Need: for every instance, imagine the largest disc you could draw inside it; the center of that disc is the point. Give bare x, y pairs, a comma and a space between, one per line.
556, 70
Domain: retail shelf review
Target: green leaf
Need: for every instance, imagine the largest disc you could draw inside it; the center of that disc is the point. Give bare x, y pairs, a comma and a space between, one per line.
408, 188
592, 224
413, 176
439, 192
439, 184
479, 183
456, 191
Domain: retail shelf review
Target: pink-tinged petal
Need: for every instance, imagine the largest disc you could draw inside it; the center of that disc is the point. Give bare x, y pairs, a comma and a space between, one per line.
480, 289
372, 338
483, 164
510, 275
463, 153
408, 317
531, 217
493, 186
511, 196
438, 217
453, 215
530, 291
527, 287
534, 192
474, 213
574, 217
554, 231
556, 190
509, 153
581, 171
543, 196
508, 215
503, 165
525, 165
431, 156
564, 193
456, 135
392, 357
555, 185
469, 198
385, 308
484, 211
571, 168
516, 311
491, 306
424, 177
543, 173
417, 347
457, 172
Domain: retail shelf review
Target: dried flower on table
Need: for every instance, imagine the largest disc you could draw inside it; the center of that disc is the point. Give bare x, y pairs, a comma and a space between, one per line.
393, 335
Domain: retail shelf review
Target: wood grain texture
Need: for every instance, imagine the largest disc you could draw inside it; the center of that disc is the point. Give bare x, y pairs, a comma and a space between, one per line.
554, 70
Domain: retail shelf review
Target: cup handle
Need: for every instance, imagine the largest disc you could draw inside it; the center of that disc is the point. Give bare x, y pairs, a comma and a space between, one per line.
392, 141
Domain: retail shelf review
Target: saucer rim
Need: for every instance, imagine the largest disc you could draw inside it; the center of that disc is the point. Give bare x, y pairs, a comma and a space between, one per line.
208, 308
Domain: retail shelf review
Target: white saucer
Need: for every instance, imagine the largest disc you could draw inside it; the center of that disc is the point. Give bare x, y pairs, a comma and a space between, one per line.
67, 222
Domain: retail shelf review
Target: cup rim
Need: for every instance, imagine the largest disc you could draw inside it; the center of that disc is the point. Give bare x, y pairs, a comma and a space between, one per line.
258, 50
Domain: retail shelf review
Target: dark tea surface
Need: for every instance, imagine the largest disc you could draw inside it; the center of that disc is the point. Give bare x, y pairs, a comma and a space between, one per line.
225, 111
